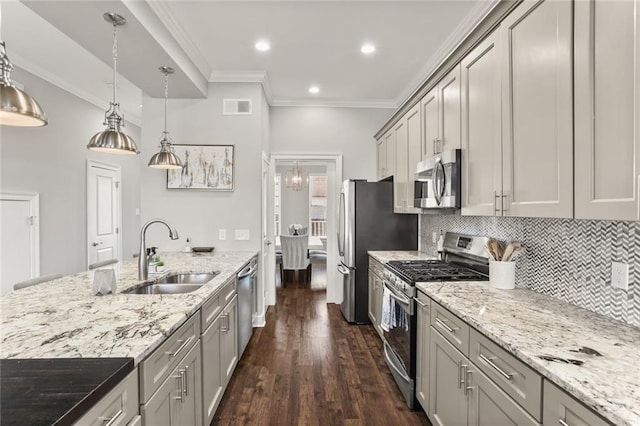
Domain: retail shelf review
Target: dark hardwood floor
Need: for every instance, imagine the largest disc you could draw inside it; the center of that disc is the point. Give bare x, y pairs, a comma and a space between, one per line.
308, 366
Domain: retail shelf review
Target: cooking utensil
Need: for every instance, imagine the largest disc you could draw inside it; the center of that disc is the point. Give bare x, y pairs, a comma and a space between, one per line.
508, 252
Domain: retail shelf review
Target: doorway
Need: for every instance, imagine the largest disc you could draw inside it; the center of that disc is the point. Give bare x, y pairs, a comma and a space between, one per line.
331, 166
20, 248
104, 239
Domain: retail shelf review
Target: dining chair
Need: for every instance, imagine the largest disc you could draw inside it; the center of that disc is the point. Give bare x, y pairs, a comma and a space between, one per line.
295, 255
34, 281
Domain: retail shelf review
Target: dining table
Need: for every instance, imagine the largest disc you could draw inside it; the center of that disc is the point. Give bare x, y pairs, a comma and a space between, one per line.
315, 243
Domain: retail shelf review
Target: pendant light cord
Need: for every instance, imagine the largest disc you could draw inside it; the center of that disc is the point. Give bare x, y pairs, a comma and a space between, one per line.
115, 59
166, 99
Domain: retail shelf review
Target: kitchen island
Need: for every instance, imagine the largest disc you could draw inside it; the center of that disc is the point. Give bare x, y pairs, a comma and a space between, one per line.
591, 357
63, 319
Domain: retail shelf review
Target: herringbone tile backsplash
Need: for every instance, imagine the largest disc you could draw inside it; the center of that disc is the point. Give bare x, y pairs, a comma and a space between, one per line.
566, 259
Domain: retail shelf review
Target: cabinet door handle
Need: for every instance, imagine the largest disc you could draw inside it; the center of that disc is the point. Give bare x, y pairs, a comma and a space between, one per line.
435, 145
495, 367
505, 198
181, 348
444, 325
467, 373
181, 389
225, 322
420, 303
495, 202
186, 380
460, 379
562, 422
110, 420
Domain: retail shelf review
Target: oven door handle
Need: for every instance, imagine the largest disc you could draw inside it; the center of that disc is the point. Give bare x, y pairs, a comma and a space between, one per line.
391, 363
404, 301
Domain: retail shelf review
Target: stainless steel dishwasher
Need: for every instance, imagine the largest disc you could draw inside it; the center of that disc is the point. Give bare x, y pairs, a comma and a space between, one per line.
246, 278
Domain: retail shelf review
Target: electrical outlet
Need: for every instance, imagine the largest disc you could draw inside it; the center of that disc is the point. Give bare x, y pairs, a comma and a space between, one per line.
620, 275
222, 234
434, 237
242, 234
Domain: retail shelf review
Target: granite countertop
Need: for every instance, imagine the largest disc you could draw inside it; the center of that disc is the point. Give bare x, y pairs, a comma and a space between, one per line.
56, 391
62, 319
387, 256
592, 357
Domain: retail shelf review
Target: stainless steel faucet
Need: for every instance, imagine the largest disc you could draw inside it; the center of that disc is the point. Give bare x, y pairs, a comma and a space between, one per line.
143, 259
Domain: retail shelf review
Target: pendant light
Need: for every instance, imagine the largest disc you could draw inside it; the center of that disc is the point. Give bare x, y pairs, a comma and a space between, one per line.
296, 179
165, 159
112, 140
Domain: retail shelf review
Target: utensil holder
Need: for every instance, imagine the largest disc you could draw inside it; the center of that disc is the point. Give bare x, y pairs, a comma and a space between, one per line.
502, 275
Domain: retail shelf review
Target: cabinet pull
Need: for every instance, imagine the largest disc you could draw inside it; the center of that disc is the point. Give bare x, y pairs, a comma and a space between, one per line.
185, 343
562, 422
467, 373
420, 303
495, 202
504, 203
225, 324
181, 389
460, 379
445, 326
186, 380
495, 367
435, 146
110, 420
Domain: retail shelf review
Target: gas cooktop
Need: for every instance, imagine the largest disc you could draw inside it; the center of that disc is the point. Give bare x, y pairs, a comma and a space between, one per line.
413, 271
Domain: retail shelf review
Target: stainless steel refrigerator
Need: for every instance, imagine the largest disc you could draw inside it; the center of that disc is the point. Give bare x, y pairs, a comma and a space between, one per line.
367, 222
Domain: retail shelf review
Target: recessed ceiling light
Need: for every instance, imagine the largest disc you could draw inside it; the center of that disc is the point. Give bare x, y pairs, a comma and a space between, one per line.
368, 49
263, 45
314, 89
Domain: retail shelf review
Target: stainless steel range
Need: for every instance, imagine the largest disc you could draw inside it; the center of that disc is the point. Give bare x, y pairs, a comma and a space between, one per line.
464, 259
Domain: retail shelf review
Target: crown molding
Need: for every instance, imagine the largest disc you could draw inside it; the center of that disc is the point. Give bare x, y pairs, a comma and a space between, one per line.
457, 36
168, 19
134, 117
247, 76
336, 103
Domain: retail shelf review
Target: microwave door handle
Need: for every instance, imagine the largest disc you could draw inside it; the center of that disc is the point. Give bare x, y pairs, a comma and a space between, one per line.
443, 187
438, 190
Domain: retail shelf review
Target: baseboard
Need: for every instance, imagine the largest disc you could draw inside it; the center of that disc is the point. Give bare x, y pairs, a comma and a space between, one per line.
259, 321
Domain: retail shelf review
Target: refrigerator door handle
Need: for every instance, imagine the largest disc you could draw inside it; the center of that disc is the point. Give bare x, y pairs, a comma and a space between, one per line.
341, 225
343, 270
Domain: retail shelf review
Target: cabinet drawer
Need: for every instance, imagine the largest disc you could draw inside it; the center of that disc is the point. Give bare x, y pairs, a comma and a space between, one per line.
212, 307
118, 407
157, 366
136, 421
515, 378
562, 409
376, 267
451, 327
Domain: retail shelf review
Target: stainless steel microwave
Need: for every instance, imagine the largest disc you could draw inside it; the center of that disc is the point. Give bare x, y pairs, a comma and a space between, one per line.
437, 181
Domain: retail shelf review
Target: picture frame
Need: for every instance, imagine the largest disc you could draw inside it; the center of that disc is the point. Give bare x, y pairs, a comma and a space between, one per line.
205, 167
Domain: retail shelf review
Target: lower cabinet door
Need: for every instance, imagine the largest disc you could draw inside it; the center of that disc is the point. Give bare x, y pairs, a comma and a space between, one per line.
229, 333
177, 401
372, 298
489, 405
422, 351
559, 408
447, 400
212, 378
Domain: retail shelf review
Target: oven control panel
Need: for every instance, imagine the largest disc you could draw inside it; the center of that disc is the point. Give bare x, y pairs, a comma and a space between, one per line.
398, 284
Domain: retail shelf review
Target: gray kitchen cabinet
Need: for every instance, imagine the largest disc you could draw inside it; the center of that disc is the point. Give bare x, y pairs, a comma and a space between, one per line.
177, 401
371, 308
607, 109
408, 153
229, 339
376, 271
212, 377
118, 407
430, 128
447, 399
385, 154
423, 340
381, 159
559, 408
537, 110
481, 129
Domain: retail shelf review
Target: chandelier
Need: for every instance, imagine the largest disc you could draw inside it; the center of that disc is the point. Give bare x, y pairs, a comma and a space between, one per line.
296, 179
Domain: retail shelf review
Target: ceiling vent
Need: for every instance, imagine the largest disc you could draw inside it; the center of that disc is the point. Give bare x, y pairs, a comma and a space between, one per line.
236, 107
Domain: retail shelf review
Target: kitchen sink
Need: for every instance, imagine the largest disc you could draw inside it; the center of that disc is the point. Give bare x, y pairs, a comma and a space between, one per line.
174, 284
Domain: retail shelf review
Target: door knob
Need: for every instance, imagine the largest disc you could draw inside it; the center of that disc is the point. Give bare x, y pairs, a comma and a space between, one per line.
95, 244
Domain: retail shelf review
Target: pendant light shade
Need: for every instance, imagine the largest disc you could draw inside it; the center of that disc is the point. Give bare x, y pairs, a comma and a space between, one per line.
17, 108
296, 179
112, 139
165, 159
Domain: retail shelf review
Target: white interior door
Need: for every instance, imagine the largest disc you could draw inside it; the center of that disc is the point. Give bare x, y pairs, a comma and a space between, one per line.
268, 263
20, 247
103, 212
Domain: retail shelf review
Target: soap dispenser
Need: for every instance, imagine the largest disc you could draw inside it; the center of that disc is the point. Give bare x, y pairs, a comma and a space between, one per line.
187, 248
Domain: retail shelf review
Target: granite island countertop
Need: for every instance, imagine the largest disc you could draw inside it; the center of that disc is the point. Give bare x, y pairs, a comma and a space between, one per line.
62, 319
592, 357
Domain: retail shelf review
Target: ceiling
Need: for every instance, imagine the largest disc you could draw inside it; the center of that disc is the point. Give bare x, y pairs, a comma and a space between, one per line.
312, 43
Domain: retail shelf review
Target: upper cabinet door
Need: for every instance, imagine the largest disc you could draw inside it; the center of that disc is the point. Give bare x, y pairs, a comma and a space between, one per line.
390, 149
400, 179
430, 129
449, 117
607, 110
481, 129
381, 156
414, 140
537, 110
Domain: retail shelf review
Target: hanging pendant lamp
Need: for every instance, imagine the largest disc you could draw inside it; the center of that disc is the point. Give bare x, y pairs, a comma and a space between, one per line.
112, 140
165, 159
296, 179
17, 108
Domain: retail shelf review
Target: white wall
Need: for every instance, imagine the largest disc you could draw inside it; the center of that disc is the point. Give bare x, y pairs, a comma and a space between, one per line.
51, 161
348, 131
200, 214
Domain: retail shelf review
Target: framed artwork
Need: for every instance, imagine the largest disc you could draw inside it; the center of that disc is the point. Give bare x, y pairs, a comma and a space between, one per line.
207, 167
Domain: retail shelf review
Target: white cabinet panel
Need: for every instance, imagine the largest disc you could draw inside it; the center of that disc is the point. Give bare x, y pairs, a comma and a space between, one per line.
449, 100
537, 110
481, 128
401, 177
430, 128
607, 110
423, 340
